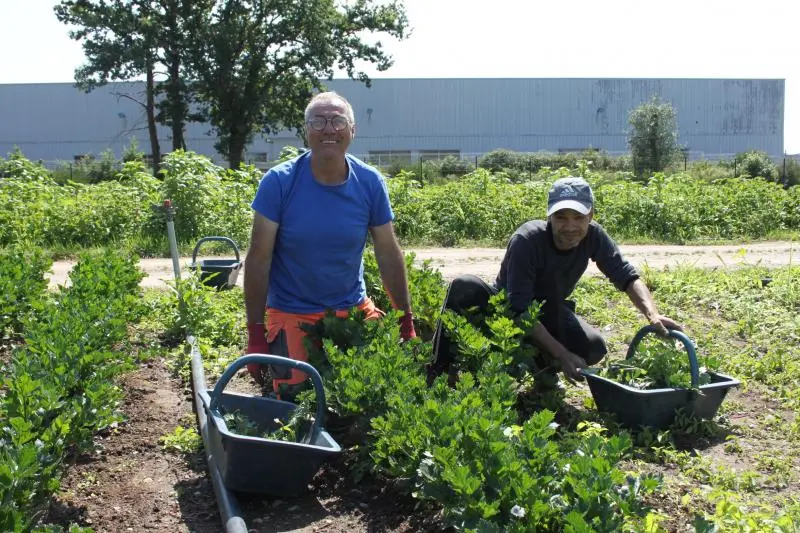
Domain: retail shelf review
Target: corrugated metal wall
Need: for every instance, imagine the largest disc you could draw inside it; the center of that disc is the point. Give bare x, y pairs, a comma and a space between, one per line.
715, 116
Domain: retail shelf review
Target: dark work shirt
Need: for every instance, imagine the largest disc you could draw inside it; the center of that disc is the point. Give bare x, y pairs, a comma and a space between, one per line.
534, 269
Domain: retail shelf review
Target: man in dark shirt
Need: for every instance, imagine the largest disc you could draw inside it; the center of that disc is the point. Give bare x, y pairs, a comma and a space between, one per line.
544, 261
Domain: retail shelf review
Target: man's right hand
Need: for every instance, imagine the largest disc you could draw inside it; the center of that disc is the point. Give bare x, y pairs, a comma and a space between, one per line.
257, 343
571, 364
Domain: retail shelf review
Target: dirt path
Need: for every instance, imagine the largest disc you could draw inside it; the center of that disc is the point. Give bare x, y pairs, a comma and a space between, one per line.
484, 262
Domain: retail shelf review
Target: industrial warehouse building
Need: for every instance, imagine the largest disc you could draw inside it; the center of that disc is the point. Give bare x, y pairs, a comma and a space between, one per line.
425, 118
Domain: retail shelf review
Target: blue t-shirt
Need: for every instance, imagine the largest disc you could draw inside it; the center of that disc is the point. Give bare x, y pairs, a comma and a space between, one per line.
317, 263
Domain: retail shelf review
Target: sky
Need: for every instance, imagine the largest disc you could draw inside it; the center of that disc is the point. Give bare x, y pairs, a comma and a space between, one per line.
518, 39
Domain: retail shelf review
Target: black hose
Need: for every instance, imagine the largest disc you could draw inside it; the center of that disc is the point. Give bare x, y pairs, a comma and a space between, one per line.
228, 505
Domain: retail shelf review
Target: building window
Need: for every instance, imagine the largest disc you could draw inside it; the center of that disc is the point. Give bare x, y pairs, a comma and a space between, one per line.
387, 157
258, 157
432, 155
577, 150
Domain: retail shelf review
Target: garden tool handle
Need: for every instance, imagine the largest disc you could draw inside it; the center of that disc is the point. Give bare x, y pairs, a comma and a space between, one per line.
214, 238
675, 334
267, 359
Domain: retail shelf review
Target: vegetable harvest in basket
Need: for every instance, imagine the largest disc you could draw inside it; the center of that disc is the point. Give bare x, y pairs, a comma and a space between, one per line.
657, 364
292, 430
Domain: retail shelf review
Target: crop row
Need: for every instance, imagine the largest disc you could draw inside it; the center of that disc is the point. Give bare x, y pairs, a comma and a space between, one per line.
56, 383
478, 207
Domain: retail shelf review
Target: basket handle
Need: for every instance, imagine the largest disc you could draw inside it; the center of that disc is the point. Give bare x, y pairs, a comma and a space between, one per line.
223, 239
675, 334
267, 359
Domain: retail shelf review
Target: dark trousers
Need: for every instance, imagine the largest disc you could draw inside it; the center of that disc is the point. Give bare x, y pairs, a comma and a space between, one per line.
558, 317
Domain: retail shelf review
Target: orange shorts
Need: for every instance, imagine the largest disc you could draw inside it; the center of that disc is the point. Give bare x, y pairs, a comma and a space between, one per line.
289, 323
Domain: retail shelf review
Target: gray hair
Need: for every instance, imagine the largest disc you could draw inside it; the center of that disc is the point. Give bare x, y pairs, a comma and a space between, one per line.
330, 96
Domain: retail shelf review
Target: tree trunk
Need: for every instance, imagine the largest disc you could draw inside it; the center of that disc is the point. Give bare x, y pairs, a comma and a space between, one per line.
150, 110
177, 104
236, 148
176, 96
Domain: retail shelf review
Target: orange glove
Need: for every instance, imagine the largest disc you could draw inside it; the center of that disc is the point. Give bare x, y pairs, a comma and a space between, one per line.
407, 326
257, 343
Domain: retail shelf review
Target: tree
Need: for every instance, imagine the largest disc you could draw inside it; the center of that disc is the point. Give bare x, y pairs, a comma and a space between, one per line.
259, 61
119, 45
128, 39
653, 138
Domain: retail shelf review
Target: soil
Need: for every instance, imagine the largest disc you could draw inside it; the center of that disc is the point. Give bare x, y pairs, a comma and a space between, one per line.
132, 484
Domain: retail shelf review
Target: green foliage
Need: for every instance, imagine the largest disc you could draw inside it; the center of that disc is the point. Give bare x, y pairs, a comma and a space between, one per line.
755, 164
182, 440
730, 514
257, 63
132, 153
288, 153
462, 447
653, 139
295, 428
526, 165
22, 286
681, 209
73, 214
22, 169
58, 386
426, 288
658, 364
790, 173
88, 170
214, 316
453, 166
365, 361
480, 206
128, 40
209, 201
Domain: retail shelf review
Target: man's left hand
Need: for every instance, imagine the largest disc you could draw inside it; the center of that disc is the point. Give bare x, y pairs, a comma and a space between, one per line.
663, 324
407, 326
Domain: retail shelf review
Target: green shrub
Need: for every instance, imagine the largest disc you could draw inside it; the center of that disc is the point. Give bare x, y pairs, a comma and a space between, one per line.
209, 200
525, 165
498, 160
453, 166
755, 164
17, 166
790, 172
653, 138
88, 170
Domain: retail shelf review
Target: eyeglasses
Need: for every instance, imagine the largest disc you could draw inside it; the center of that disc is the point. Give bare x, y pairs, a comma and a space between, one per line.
338, 122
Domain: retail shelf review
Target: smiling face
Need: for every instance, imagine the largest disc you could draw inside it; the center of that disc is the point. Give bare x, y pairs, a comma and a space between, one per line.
329, 143
569, 228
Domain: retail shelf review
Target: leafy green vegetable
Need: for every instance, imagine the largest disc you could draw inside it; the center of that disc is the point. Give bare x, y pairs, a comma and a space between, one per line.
657, 364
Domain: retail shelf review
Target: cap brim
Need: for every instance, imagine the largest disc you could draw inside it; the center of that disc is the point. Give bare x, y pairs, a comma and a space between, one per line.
583, 209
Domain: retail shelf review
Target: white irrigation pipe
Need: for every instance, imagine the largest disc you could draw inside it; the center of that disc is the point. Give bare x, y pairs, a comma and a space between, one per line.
226, 500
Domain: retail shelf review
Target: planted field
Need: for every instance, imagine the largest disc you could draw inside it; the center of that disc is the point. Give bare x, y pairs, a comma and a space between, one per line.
492, 453
95, 415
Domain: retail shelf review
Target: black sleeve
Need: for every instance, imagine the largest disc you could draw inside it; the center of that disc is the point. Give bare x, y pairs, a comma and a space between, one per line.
521, 275
611, 263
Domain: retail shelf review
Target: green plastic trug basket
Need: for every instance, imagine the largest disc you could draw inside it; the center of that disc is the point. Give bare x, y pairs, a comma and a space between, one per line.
657, 407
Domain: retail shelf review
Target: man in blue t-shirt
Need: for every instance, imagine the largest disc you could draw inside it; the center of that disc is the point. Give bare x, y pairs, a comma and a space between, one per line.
311, 220
544, 261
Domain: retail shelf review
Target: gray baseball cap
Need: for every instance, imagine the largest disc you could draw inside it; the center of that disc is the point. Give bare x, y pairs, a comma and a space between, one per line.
570, 193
